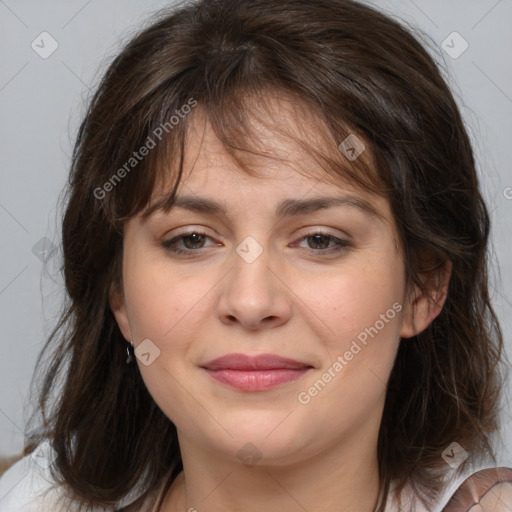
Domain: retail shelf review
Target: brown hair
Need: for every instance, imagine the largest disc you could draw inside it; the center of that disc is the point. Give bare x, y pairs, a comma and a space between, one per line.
358, 71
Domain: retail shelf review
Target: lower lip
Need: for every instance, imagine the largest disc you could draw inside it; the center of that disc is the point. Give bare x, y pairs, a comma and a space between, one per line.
256, 380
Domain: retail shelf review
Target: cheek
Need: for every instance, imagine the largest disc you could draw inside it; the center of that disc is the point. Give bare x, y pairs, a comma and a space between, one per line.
162, 299
165, 307
361, 296
349, 389
365, 320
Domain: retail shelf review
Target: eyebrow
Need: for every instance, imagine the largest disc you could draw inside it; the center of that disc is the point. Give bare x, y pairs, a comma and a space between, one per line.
286, 208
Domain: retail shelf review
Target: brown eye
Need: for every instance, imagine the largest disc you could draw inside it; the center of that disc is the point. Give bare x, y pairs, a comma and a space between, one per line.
324, 243
196, 240
318, 241
187, 243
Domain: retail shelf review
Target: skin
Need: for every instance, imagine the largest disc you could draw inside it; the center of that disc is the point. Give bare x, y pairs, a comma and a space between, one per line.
290, 301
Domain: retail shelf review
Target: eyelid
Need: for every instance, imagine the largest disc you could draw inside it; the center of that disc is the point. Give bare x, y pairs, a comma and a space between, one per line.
187, 232
334, 232
198, 228
308, 230
341, 244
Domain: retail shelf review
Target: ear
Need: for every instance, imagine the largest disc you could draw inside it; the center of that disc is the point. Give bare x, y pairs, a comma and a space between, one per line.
118, 307
422, 308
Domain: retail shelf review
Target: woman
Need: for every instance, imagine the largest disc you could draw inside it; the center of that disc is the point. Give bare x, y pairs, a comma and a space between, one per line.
274, 208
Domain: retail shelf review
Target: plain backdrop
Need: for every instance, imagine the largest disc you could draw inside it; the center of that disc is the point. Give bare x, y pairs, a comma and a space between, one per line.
42, 101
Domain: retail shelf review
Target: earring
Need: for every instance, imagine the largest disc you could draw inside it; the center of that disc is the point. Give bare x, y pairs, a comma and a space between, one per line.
129, 359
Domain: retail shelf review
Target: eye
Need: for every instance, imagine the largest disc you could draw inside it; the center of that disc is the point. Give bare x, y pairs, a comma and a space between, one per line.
192, 240
322, 242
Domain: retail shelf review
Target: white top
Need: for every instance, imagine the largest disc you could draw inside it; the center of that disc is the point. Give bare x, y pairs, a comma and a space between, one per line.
27, 486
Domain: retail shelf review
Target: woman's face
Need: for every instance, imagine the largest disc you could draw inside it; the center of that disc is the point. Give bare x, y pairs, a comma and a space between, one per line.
276, 269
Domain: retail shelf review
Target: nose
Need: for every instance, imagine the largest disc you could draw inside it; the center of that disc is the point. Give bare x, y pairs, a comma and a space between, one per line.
254, 294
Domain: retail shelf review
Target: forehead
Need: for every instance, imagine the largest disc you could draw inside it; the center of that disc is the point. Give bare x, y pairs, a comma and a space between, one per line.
272, 134
281, 152
275, 166
280, 141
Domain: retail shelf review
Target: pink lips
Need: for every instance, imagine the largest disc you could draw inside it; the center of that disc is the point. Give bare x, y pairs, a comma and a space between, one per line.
255, 373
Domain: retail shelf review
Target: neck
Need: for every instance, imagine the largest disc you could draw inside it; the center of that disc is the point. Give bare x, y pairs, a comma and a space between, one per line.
343, 478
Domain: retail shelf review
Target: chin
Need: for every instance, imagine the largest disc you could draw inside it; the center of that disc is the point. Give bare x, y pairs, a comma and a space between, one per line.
266, 441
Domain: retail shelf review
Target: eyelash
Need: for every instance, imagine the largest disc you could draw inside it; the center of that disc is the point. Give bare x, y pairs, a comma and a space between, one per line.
342, 244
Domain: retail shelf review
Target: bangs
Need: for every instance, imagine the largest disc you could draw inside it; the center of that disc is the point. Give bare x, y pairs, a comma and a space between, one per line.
246, 122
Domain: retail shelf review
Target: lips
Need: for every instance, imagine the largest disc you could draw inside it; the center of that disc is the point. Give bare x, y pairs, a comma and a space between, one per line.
255, 373
259, 362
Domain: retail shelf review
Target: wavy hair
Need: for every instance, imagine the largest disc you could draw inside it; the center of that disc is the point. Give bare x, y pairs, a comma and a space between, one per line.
355, 70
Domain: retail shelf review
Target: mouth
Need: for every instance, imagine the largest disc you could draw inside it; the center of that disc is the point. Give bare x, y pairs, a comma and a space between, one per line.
255, 373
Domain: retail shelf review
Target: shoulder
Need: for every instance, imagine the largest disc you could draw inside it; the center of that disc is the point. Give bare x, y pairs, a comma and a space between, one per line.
474, 490
27, 484
487, 490
7, 462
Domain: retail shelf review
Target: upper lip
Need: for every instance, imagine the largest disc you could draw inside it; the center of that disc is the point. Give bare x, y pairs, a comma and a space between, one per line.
258, 362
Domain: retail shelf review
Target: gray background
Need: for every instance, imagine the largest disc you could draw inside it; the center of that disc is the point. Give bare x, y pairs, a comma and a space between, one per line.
42, 102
